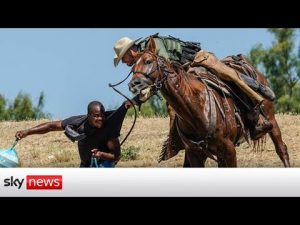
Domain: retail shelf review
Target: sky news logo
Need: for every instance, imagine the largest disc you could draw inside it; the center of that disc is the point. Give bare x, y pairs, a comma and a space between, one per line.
36, 182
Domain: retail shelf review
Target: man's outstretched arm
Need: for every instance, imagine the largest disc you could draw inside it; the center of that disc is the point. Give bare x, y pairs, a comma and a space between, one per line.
40, 129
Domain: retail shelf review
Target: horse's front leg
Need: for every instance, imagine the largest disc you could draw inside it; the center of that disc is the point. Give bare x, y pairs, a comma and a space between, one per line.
186, 162
229, 159
194, 159
221, 162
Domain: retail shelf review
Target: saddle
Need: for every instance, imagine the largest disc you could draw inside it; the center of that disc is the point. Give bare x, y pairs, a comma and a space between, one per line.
240, 63
249, 74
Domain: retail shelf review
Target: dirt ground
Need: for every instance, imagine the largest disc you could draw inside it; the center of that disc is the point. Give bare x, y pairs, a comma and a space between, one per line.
55, 150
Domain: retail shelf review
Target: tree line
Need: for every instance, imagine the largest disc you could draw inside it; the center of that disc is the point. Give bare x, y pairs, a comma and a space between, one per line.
280, 63
22, 108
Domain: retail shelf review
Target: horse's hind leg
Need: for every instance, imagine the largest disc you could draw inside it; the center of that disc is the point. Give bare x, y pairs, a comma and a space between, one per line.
275, 135
280, 146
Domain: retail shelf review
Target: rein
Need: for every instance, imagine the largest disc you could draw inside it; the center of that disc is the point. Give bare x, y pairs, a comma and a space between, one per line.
113, 87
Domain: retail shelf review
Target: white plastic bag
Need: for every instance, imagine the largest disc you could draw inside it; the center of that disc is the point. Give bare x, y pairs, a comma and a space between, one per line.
9, 157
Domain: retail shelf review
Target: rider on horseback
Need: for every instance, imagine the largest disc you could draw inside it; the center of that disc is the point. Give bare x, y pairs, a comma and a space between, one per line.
190, 53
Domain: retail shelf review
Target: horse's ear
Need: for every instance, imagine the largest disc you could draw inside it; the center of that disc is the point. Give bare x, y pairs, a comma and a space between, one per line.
151, 44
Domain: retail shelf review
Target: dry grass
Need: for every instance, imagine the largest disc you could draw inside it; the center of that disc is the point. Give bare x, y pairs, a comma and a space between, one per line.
55, 150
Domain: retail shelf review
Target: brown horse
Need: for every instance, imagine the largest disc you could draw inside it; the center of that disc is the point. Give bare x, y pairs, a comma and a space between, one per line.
203, 129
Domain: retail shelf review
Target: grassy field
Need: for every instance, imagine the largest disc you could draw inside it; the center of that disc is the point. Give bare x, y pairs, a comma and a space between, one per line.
142, 147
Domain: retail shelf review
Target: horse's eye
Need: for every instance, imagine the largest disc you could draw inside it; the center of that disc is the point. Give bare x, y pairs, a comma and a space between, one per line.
147, 62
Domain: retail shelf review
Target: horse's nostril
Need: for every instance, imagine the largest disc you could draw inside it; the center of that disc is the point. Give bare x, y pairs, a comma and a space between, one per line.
131, 87
136, 85
137, 82
133, 90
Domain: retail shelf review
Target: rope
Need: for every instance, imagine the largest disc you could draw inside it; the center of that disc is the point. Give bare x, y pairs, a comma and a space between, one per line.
15, 143
114, 85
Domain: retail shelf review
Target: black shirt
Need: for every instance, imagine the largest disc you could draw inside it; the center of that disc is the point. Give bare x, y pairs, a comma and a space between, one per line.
96, 137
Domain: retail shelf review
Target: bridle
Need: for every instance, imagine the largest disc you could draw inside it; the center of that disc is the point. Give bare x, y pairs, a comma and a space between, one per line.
160, 68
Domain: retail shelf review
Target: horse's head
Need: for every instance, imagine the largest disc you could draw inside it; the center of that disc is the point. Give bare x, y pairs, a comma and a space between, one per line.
146, 73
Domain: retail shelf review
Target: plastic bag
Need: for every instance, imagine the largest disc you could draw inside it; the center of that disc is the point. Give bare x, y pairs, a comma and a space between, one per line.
9, 157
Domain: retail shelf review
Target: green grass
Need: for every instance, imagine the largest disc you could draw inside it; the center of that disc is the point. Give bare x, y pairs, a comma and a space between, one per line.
129, 153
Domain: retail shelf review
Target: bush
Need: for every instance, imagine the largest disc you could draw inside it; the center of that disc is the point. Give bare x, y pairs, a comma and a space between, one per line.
129, 153
152, 108
289, 104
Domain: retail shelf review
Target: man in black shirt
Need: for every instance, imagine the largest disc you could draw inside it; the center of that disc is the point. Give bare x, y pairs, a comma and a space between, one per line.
97, 133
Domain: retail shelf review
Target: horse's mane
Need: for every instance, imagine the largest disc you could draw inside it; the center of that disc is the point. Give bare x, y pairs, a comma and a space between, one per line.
190, 81
177, 67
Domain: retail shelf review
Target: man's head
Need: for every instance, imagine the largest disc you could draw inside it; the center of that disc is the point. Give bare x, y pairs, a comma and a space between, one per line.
96, 115
125, 50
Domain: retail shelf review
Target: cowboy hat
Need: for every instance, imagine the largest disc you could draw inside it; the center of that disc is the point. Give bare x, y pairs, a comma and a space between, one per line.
121, 47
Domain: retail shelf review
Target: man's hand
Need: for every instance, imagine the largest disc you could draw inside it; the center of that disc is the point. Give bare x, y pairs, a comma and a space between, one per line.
96, 153
21, 134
